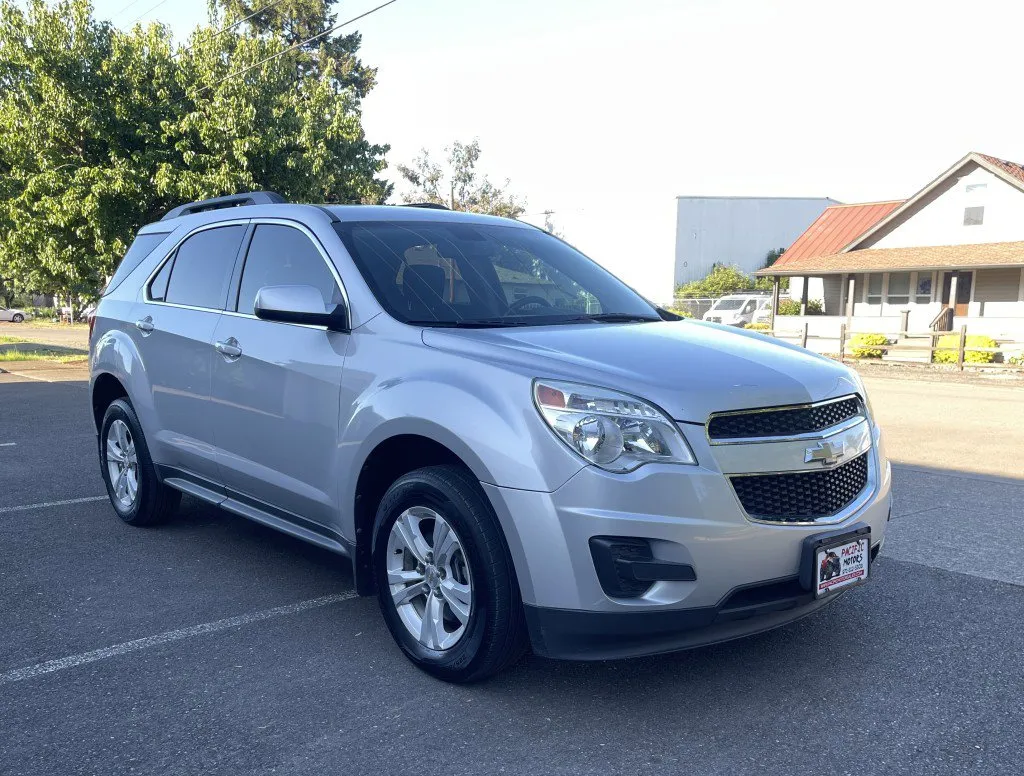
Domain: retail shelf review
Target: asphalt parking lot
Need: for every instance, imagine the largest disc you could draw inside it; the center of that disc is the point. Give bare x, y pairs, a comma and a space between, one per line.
214, 645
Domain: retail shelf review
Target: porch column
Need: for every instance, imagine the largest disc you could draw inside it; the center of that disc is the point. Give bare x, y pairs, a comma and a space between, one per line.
775, 302
851, 286
951, 302
803, 296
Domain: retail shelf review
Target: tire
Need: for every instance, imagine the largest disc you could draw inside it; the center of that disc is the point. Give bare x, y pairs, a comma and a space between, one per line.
17, 318
493, 636
153, 502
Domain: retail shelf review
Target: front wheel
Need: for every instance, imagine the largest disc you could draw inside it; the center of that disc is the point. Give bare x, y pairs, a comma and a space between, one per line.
447, 588
17, 318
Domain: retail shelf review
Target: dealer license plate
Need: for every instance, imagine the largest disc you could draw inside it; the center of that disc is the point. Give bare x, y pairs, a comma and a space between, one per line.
842, 565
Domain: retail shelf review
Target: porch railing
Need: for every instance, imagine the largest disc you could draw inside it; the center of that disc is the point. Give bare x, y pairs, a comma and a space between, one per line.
904, 343
943, 321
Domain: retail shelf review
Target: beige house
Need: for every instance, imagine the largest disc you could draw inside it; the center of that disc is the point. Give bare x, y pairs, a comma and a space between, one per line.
951, 254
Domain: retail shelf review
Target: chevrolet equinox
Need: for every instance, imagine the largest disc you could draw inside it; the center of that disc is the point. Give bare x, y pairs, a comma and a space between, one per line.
513, 448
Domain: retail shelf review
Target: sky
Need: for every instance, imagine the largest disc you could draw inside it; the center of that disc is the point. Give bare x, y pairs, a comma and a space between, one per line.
605, 111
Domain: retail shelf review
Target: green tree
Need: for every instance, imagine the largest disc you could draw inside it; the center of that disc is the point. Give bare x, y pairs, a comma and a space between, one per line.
459, 186
723, 279
102, 130
766, 283
295, 21
773, 256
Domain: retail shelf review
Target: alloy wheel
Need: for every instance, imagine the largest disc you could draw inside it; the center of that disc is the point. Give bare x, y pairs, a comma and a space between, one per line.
122, 463
428, 577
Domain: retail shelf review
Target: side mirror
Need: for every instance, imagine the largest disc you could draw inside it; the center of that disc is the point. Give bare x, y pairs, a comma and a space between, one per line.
299, 304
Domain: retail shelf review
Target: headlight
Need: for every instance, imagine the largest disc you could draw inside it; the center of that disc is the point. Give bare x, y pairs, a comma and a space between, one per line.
613, 430
863, 391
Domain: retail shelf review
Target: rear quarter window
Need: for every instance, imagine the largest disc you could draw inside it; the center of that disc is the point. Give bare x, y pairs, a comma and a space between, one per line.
141, 247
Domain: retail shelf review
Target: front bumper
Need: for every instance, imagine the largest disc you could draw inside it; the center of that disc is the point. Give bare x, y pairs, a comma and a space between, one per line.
690, 515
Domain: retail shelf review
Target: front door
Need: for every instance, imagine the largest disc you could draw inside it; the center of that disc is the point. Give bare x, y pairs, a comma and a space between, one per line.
277, 401
963, 291
174, 323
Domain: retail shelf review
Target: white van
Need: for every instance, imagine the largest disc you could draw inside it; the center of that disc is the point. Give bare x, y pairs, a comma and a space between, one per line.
739, 309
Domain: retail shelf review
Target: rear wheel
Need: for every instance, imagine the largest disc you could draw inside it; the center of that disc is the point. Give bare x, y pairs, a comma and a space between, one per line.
445, 581
17, 318
135, 492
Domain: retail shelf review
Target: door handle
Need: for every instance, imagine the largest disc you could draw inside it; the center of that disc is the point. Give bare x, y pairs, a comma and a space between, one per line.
229, 348
145, 325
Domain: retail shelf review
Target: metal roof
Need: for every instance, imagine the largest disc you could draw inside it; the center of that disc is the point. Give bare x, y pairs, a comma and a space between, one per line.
836, 227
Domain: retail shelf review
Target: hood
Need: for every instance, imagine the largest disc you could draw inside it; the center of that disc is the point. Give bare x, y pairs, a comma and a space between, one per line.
690, 369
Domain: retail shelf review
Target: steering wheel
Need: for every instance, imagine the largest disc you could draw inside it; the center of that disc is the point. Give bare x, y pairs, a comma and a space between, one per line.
529, 300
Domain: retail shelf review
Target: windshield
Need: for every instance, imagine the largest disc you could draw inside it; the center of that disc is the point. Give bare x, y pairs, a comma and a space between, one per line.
465, 274
729, 304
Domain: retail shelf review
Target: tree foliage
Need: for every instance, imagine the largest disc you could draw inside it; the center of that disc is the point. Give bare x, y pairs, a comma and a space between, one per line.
102, 130
295, 21
723, 279
459, 185
773, 256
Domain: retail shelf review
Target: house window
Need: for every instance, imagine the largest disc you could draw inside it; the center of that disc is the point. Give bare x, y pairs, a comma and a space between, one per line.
924, 288
874, 289
976, 188
899, 288
974, 216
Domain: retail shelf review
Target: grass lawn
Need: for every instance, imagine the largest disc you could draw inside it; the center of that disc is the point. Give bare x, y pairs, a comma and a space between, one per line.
47, 323
11, 340
57, 355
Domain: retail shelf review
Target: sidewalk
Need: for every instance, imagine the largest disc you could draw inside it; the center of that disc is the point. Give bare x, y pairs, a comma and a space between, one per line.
46, 371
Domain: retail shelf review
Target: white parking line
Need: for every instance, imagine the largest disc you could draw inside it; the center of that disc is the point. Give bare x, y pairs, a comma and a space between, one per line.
45, 504
8, 444
72, 661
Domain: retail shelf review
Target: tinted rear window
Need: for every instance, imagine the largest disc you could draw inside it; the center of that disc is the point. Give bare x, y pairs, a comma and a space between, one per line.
202, 267
140, 248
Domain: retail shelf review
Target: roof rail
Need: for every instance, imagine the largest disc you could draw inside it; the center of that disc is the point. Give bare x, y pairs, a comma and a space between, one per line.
231, 200
428, 205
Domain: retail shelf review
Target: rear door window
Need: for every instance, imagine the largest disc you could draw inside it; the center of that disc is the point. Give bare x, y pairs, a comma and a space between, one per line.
201, 269
282, 256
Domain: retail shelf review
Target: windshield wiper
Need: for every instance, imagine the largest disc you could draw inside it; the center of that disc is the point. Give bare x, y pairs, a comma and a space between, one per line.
615, 318
478, 323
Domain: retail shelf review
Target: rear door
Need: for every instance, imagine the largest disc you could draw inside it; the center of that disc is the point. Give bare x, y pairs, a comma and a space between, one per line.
277, 400
174, 325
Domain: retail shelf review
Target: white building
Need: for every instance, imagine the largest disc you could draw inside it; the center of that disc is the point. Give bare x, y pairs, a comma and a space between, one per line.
737, 230
950, 255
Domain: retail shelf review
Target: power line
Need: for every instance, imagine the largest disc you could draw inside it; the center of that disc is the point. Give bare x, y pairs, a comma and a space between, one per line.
147, 13
132, 3
230, 27
263, 61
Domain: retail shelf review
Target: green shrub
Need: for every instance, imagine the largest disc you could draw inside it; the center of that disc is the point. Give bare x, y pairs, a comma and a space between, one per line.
759, 326
44, 313
951, 343
792, 307
679, 312
864, 345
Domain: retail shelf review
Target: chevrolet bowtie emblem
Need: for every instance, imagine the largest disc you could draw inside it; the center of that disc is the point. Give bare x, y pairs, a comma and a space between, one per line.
827, 452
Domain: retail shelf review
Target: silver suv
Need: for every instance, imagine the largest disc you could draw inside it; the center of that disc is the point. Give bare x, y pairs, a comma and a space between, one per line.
512, 447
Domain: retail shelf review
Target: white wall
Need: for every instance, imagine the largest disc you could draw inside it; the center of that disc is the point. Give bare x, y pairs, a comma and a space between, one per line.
737, 230
940, 220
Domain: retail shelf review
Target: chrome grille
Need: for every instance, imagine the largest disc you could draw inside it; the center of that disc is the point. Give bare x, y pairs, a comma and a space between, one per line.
798, 497
782, 422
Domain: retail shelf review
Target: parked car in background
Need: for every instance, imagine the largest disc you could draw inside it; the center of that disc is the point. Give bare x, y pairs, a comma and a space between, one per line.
566, 467
737, 309
12, 314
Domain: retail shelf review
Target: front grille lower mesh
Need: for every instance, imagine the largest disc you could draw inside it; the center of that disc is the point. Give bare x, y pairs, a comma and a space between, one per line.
783, 422
801, 496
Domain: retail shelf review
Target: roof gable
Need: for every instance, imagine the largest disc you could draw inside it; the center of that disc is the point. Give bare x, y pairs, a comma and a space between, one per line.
835, 228
1010, 172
